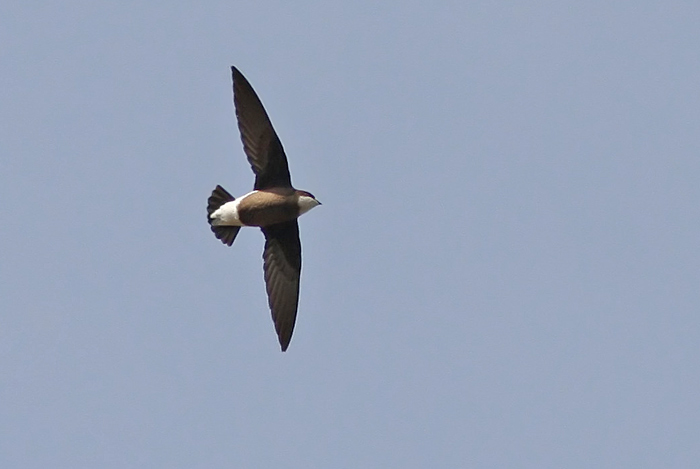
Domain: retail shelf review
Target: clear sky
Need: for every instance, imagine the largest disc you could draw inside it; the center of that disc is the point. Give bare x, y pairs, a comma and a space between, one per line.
505, 270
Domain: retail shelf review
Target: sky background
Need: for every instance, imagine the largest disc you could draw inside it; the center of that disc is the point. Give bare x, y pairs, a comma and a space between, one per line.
505, 271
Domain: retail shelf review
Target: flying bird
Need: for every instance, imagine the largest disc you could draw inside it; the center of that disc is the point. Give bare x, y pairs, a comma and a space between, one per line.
274, 206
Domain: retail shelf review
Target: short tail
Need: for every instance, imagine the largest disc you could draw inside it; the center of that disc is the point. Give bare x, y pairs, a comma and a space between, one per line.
219, 197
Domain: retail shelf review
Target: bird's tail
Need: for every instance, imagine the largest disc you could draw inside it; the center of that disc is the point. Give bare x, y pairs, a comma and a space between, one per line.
219, 197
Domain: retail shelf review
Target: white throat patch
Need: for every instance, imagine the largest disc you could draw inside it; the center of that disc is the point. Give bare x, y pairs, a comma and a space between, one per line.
306, 203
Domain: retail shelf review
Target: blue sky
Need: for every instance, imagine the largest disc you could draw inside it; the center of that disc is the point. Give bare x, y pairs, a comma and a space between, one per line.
504, 271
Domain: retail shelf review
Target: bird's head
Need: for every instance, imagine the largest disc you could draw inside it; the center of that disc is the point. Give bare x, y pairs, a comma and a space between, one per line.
307, 201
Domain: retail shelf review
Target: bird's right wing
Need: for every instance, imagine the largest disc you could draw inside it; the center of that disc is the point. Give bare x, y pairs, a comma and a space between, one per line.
282, 265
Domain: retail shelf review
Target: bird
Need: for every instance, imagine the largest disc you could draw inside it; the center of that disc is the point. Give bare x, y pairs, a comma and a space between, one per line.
273, 205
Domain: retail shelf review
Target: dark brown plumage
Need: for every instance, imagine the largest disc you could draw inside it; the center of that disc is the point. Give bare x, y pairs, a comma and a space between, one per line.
282, 265
260, 142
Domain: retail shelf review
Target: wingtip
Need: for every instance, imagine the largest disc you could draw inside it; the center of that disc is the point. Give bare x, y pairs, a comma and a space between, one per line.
284, 344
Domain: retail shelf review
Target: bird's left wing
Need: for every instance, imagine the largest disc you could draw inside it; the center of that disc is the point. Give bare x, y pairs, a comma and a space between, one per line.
260, 142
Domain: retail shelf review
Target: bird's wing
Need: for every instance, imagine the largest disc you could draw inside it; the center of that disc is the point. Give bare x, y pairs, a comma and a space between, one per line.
282, 265
260, 142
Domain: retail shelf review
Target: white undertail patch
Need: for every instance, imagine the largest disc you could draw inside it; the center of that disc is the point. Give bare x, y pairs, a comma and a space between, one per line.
227, 214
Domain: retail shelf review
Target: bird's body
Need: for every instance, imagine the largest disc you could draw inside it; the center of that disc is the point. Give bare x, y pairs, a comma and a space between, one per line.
263, 208
274, 206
